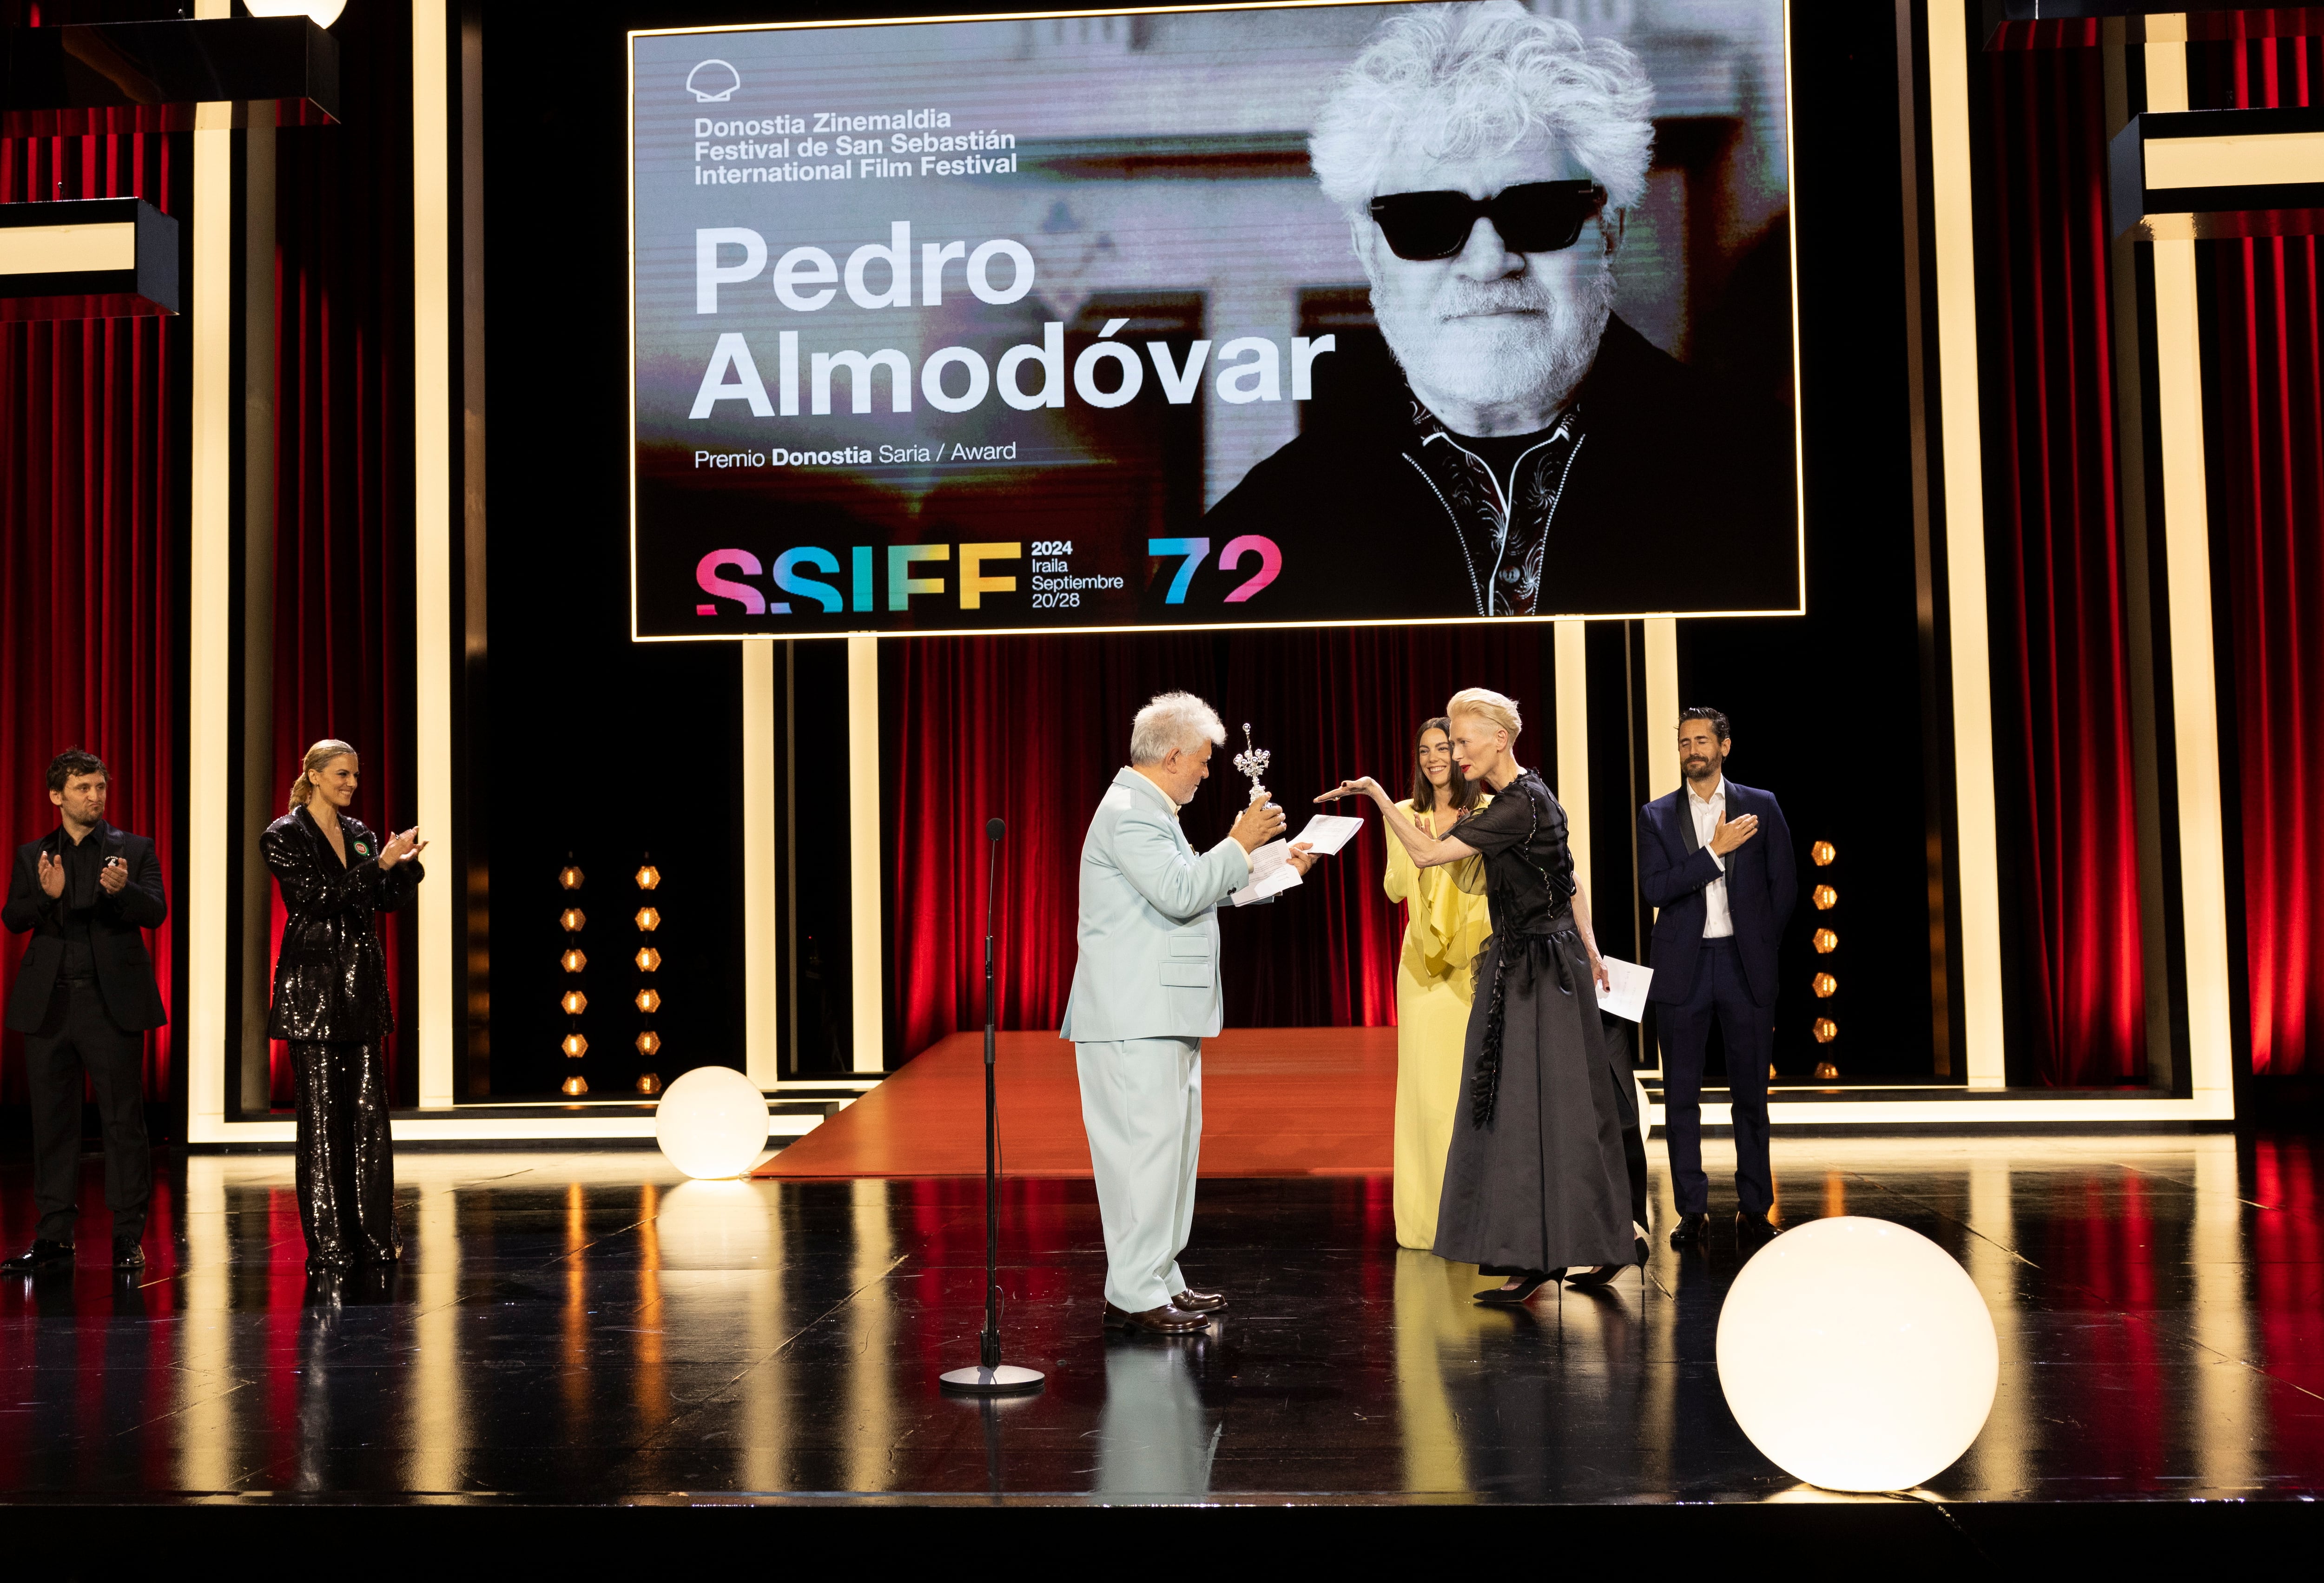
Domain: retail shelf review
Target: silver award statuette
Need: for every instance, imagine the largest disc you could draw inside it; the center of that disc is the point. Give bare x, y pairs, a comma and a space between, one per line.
1252, 761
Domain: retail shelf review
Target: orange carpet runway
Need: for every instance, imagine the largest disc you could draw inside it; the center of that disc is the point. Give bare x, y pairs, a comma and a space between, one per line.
1276, 1102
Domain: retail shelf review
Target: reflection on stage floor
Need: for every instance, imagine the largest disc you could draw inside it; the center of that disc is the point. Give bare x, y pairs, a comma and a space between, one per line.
590, 1327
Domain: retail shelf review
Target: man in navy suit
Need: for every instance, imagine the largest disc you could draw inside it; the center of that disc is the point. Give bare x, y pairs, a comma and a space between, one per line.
1716, 858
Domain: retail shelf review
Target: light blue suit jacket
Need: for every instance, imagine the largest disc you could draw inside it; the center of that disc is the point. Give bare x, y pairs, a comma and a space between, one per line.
1149, 924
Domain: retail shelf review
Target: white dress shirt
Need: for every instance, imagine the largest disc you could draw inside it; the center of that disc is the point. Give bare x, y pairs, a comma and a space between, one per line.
1717, 923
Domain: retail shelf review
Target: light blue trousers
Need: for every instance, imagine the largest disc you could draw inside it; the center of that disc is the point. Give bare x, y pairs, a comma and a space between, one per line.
1142, 1107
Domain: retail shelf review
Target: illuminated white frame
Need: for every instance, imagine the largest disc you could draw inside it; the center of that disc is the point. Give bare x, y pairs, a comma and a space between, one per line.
629, 253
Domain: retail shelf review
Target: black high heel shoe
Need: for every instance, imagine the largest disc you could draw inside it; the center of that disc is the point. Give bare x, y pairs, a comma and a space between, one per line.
1603, 1274
1511, 1296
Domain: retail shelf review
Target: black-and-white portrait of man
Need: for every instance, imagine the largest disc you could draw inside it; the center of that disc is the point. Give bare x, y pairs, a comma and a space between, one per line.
1530, 453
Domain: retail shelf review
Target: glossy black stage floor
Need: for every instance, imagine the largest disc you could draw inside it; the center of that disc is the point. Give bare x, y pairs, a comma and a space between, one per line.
589, 1328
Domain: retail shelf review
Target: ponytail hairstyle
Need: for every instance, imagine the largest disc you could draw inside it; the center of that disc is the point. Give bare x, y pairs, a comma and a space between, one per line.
302, 790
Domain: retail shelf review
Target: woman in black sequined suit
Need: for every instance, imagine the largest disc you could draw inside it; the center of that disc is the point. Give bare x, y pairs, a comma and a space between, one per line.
331, 1004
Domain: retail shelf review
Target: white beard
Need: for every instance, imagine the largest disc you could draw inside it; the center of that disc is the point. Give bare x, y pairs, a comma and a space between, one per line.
1507, 359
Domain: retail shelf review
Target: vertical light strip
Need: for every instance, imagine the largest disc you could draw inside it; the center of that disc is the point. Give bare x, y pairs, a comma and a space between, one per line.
1952, 215
438, 1019
210, 638
436, 1407
2187, 551
210, 1457
864, 902
1572, 767
761, 958
1662, 706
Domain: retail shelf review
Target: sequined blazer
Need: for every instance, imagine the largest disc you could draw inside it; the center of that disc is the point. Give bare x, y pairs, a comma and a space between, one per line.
331, 978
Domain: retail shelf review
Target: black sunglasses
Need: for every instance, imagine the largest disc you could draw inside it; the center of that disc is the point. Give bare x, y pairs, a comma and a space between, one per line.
1539, 217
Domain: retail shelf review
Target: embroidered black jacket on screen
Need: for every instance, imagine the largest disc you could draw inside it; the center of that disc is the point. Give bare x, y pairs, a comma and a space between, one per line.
1657, 492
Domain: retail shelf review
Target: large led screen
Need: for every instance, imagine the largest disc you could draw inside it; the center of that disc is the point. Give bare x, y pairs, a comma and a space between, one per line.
1280, 315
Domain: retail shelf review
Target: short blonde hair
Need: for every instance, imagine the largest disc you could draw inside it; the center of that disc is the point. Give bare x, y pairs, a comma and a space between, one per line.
1173, 721
1485, 704
302, 790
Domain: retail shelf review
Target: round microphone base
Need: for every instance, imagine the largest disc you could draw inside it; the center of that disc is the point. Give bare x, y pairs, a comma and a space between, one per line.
1005, 1380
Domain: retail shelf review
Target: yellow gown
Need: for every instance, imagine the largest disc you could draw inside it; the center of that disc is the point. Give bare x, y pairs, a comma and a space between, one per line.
1446, 924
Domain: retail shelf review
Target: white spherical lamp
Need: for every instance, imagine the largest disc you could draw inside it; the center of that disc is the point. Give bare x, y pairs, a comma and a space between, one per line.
712, 1123
1857, 1355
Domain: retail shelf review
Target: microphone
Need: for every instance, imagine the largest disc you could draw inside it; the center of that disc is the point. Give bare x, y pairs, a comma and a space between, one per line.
992, 829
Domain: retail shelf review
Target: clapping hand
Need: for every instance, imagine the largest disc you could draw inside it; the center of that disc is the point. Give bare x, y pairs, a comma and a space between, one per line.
52, 877
112, 876
400, 847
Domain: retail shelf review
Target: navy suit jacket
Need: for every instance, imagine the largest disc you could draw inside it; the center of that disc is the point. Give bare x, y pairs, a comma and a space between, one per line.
1762, 883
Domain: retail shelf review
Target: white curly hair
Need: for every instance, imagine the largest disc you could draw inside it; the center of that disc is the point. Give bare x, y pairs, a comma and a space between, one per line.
1477, 78
1171, 722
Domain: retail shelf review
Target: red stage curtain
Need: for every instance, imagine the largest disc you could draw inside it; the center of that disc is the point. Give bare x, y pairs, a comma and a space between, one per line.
1032, 730
343, 489
91, 546
2267, 513
2061, 683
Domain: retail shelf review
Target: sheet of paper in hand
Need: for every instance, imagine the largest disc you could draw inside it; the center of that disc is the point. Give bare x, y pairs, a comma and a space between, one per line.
1627, 997
1271, 874
1328, 833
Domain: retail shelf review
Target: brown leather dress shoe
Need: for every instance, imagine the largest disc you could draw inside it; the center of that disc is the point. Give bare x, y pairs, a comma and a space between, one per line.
1194, 1301
1165, 1320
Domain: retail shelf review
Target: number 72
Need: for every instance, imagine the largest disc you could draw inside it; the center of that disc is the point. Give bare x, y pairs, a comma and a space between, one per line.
1270, 563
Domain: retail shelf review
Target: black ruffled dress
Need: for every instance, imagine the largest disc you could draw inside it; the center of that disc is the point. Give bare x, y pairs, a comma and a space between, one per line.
1534, 1179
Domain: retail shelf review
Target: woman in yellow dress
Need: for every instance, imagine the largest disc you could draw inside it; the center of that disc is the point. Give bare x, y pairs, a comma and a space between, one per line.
1446, 923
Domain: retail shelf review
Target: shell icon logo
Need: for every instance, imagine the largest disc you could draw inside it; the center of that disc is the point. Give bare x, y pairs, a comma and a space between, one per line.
704, 82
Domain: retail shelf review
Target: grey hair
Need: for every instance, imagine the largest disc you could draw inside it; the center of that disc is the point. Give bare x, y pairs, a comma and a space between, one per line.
1466, 80
1171, 722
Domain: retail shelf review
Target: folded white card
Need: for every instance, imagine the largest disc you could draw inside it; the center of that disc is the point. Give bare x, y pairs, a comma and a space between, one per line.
1628, 996
1275, 884
1328, 833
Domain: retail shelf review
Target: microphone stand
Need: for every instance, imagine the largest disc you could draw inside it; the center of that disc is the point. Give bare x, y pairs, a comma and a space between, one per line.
991, 1376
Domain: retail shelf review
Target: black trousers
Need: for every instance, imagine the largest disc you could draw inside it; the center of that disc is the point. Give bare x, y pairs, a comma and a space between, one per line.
79, 1037
1720, 990
347, 1164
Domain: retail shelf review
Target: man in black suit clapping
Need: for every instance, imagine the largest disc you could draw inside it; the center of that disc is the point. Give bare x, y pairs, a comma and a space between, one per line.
84, 994
1716, 858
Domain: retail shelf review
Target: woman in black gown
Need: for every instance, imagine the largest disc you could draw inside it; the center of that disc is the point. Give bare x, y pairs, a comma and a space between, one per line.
331, 1004
1535, 1182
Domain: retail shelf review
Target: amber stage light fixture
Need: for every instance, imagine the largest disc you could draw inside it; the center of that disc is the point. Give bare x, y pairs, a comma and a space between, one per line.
1825, 897
576, 1084
1826, 1031
571, 920
575, 1002
1825, 942
576, 1046
648, 1000
568, 875
1825, 986
1824, 852
573, 962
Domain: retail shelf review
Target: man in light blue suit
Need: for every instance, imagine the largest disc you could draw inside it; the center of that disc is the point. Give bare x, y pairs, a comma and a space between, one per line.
1146, 994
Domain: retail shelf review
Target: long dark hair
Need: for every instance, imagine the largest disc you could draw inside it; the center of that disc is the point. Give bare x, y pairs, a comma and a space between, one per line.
1424, 795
